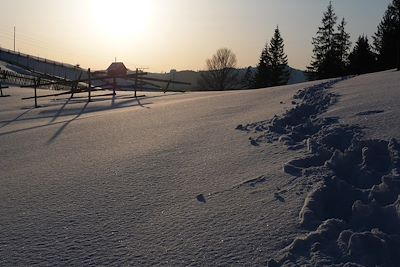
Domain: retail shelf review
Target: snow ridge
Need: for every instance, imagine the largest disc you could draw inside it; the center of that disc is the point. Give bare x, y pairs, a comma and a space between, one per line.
353, 210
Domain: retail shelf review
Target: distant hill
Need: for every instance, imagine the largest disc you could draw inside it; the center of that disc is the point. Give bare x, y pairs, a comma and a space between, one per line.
19, 62
297, 76
193, 77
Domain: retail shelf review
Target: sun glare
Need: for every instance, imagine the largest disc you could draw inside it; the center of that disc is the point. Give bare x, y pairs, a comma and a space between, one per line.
121, 19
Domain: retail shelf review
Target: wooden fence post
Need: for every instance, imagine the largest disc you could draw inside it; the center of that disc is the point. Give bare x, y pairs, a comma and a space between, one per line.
35, 85
136, 80
114, 85
90, 86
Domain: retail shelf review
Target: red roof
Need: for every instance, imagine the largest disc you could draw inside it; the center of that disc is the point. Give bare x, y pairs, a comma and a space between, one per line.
117, 68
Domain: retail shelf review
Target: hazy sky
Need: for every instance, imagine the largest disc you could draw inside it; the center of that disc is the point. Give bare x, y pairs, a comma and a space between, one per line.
166, 34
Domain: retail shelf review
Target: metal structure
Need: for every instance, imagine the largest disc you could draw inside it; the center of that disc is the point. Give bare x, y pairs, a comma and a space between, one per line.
84, 81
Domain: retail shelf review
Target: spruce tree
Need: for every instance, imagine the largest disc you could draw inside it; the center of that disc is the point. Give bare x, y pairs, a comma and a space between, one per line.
279, 63
263, 74
343, 44
362, 59
387, 38
325, 60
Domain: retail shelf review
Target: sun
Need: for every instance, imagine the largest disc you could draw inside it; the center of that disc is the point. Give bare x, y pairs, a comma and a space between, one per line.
121, 19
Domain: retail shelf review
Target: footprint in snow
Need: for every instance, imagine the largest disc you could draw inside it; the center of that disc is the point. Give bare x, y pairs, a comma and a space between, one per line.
200, 198
254, 142
369, 112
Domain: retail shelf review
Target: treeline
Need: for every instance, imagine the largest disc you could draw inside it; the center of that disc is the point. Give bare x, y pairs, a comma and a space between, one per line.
272, 69
332, 55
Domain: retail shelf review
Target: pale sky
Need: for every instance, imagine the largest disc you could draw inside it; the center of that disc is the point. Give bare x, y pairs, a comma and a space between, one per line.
172, 34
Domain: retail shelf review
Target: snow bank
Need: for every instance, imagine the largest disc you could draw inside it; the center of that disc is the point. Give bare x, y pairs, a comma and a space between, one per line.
353, 210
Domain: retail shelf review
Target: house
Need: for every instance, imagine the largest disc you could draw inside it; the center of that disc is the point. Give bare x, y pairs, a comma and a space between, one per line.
117, 69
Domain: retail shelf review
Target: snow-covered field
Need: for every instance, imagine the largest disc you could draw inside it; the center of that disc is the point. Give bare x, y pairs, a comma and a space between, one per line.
207, 178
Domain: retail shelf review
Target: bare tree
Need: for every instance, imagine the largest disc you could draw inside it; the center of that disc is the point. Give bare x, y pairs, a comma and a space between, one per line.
221, 71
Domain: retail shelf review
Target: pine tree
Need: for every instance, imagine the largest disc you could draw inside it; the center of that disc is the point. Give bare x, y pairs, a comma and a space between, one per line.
263, 74
387, 38
343, 44
279, 67
325, 60
362, 59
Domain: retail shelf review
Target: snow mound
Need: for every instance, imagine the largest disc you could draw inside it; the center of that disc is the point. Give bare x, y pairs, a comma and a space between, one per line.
298, 123
353, 210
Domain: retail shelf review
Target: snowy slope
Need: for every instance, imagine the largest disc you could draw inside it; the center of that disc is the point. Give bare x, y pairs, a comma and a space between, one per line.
166, 180
40, 65
371, 101
8, 67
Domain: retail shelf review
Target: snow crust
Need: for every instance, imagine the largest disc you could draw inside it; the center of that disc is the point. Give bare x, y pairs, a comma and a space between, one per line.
214, 178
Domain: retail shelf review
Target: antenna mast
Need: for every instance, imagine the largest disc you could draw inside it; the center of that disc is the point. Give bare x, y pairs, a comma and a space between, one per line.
14, 38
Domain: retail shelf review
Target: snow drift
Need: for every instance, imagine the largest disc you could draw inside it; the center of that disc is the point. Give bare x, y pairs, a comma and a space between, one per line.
353, 210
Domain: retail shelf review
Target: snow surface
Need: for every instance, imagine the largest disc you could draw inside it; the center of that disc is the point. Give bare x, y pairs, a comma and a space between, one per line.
370, 101
5, 66
180, 179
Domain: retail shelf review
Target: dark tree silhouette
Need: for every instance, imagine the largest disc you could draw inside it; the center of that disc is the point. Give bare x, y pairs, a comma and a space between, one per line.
278, 60
221, 71
343, 44
362, 59
272, 69
330, 48
324, 46
263, 74
387, 38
